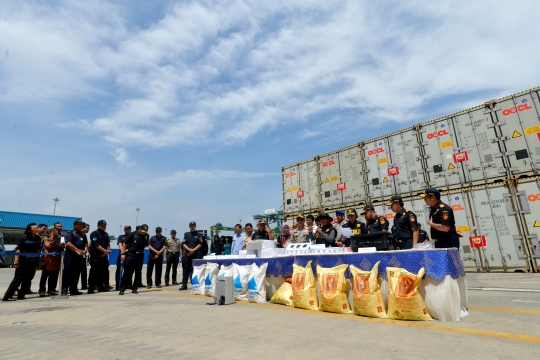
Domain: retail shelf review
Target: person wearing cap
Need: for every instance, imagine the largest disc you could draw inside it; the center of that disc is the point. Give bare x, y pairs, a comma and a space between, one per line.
84, 273
422, 235
357, 228
121, 242
301, 234
157, 247
339, 222
133, 258
406, 227
441, 220
99, 261
326, 233
263, 232
374, 222
172, 257
74, 262
191, 244
317, 221
238, 240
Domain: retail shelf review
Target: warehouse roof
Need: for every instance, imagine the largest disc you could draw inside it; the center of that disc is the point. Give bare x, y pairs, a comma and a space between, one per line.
20, 220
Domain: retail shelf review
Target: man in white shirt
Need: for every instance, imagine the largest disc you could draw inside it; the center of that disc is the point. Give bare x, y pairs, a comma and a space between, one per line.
238, 240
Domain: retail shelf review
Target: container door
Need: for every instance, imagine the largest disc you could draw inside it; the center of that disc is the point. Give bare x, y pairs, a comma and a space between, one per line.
519, 122
329, 179
497, 230
288, 174
528, 196
377, 160
351, 183
477, 139
405, 166
308, 189
442, 155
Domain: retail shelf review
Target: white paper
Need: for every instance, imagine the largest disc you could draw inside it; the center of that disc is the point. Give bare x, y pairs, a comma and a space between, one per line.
346, 232
62, 240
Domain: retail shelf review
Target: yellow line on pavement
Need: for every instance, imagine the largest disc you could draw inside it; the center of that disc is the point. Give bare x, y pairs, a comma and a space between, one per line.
508, 310
409, 324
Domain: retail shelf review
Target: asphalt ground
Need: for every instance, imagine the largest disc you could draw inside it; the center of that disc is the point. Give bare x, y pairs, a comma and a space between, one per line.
503, 323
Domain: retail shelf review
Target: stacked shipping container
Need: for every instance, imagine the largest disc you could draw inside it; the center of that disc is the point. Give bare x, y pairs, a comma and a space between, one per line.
485, 160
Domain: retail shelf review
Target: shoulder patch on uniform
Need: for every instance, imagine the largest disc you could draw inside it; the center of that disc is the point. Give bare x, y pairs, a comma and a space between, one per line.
406, 211
412, 217
381, 220
441, 206
445, 215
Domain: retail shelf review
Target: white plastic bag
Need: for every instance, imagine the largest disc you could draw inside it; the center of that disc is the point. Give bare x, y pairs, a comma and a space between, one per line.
257, 283
225, 270
212, 270
197, 280
240, 281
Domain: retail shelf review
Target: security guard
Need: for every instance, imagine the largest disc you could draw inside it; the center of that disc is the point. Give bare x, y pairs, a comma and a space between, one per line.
374, 222
190, 245
357, 227
406, 227
263, 232
99, 260
84, 272
422, 235
300, 234
172, 253
156, 245
74, 261
441, 220
326, 233
340, 221
133, 258
121, 242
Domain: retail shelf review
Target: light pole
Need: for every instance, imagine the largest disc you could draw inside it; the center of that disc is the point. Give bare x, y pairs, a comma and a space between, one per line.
56, 200
137, 220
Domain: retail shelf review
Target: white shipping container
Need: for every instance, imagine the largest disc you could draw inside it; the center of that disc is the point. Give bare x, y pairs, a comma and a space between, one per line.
329, 176
351, 184
289, 180
376, 161
308, 188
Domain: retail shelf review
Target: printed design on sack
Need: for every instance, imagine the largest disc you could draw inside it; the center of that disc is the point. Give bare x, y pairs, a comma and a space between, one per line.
195, 285
298, 281
329, 283
253, 290
208, 283
397, 315
237, 286
361, 284
405, 286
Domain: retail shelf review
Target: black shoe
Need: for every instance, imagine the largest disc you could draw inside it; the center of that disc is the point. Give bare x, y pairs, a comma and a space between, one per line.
64, 293
135, 291
21, 298
104, 290
31, 292
141, 285
158, 286
121, 292
76, 293
84, 288
175, 283
184, 287
90, 292
166, 284
9, 299
149, 287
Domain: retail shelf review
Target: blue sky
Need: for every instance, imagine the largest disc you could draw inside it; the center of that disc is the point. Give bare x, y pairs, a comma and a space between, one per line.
188, 110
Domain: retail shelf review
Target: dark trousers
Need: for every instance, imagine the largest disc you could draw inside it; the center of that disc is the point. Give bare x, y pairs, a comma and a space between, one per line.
73, 267
119, 266
84, 276
447, 243
99, 272
405, 245
23, 277
158, 264
187, 269
49, 278
133, 264
172, 261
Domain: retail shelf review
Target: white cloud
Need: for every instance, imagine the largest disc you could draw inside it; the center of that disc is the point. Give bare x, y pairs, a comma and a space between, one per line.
121, 156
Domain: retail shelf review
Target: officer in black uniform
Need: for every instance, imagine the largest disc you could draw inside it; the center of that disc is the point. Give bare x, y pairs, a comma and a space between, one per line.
191, 244
84, 272
422, 235
74, 261
406, 226
156, 245
133, 258
326, 233
99, 260
25, 266
441, 220
357, 227
374, 222
121, 242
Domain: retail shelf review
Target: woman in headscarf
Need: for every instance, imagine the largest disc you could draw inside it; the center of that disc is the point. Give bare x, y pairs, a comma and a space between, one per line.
285, 236
49, 275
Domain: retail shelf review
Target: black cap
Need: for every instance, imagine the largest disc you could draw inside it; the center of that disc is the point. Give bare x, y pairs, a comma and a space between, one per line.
431, 191
367, 208
173, 231
159, 229
352, 212
192, 223
78, 222
127, 227
138, 227
144, 227
396, 199
325, 215
101, 222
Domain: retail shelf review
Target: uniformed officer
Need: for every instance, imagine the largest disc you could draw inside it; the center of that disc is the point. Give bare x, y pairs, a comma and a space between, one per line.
84, 272
121, 242
406, 227
340, 221
441, 220
422, 235
191, 243
301, 233
133, 258
326, 233
25, 266
263, 232
374, 222
357, 228
156, 245
74, 261
99, 260
172, 253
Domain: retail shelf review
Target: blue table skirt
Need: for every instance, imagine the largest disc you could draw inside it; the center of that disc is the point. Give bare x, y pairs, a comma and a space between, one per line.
437, 262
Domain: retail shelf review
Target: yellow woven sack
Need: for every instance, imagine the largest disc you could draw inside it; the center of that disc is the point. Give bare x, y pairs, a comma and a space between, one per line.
404, 299
367, 294
284, 295
304, 288
333, 288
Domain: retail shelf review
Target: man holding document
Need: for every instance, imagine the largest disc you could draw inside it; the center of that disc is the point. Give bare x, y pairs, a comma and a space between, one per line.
353, 227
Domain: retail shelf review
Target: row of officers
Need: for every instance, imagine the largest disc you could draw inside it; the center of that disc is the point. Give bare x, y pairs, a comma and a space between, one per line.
406, 229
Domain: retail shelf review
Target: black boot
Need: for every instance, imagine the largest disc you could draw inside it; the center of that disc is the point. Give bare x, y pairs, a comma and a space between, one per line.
135, 291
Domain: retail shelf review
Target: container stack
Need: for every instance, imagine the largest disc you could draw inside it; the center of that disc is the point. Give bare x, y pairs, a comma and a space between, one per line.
485, 161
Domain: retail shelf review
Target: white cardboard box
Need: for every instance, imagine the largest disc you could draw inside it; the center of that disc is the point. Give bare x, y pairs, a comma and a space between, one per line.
261, 244
266, 253
242, 254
